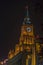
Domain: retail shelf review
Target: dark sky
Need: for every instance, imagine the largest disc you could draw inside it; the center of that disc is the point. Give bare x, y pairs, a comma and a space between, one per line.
11, 18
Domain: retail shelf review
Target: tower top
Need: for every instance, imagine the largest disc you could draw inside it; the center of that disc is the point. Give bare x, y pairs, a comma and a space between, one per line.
27, 10
27, 19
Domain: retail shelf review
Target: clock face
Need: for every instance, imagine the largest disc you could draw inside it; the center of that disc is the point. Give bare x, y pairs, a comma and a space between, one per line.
28, 29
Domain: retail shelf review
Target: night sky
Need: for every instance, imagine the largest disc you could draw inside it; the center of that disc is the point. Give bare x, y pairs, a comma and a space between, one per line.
11, 18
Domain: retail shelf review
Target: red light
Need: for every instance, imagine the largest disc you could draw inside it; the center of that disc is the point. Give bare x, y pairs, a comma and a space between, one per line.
37, 36
26, 7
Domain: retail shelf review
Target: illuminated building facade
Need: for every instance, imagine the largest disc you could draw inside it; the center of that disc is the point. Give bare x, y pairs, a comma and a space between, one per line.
27, 50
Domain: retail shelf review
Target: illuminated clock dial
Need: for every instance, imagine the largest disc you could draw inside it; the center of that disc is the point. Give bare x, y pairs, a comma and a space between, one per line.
28, 29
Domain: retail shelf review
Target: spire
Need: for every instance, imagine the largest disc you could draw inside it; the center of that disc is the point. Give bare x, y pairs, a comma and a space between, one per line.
27, 10
27, 19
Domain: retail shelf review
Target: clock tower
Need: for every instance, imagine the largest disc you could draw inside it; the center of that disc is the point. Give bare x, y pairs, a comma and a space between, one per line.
27, 33
27, 40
